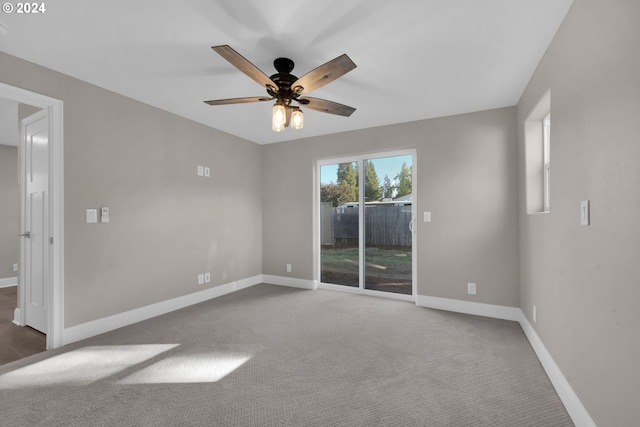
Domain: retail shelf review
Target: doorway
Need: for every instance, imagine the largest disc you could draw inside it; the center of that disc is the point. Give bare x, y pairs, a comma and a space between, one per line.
366, 224
53, 224
34, 283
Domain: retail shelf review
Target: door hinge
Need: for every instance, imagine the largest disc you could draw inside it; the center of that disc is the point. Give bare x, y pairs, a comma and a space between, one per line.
51, 240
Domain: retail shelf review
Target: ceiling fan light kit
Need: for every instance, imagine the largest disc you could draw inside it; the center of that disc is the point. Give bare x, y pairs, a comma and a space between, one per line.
297, 118
285, 88
279, 117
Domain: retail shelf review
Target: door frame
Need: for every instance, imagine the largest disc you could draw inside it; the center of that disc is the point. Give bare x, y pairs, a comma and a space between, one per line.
54, 110
317, 223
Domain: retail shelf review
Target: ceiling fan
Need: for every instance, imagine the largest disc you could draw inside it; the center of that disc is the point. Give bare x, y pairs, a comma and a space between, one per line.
284, 87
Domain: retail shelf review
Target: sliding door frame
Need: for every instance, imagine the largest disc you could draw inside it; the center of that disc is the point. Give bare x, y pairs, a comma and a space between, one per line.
360, 158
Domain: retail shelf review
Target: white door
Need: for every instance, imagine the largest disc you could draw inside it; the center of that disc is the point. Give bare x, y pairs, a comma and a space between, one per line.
35, 240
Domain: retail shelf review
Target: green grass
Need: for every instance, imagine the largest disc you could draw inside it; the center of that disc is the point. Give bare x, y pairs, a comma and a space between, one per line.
386, 269
387, 261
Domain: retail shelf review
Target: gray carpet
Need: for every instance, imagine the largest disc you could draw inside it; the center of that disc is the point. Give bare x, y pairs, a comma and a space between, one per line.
270, 355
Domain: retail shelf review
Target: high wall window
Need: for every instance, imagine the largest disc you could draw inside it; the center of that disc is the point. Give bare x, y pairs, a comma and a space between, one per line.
537, 141
546, 159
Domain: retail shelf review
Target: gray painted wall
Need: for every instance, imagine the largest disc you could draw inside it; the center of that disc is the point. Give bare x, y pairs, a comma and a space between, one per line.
8, 123
9, 211
167, 224
466, 176
585, 281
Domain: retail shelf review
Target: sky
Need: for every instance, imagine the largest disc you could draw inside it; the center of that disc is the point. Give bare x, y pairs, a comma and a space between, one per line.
389, 166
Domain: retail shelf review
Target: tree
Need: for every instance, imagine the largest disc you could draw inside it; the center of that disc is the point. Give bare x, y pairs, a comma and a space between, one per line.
404, 181
387, 188
348, 178
337, 194
372, 190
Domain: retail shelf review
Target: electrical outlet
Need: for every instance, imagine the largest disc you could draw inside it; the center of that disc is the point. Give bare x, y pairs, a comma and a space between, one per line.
207, 172
288, 268
200, 279
207, 277
471, 288
535, 314
15, 267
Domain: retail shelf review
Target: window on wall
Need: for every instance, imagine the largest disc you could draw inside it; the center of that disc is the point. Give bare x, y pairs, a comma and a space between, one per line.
537, 142
546, 159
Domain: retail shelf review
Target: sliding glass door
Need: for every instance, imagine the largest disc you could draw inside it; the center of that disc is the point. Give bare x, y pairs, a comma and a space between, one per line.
339, 224
387, 225
366, 210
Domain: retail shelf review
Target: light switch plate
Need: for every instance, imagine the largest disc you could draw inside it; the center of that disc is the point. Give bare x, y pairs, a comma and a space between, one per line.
584, 212
104, 215
91, 216
426, 217
200, 170
207, 172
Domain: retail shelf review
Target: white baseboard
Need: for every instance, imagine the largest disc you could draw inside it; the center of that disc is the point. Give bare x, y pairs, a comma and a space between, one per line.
576, 410
290, 282
469, 307
17, 316
106, 324
8, 281
570, 400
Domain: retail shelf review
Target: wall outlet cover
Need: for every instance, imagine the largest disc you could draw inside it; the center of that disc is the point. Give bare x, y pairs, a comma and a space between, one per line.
471, 288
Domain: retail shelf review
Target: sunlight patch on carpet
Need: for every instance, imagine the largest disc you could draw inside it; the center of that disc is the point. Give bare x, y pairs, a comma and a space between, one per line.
199, 368
82, 366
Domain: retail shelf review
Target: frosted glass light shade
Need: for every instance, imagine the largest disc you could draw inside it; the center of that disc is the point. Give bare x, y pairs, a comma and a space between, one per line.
297, 119
279, 117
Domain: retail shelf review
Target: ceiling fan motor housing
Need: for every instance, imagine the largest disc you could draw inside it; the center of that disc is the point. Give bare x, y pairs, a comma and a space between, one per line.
284, 79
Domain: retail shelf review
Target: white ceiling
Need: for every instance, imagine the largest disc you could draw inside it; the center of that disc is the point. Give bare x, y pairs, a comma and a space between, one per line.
416, 59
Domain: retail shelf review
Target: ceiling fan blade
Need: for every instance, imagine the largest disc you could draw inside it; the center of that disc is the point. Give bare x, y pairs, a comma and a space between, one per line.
242, 64
238, 100
324, 74
325, 106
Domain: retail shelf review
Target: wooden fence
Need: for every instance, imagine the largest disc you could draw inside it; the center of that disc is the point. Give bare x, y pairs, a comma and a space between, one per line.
384, 225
